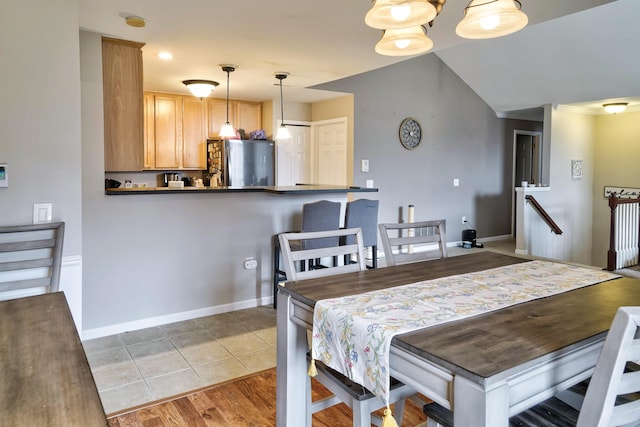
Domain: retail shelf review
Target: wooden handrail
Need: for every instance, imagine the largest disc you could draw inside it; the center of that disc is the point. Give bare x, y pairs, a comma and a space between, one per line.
543, 214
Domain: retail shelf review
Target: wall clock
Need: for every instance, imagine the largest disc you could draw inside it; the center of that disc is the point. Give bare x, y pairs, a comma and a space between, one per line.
410, 133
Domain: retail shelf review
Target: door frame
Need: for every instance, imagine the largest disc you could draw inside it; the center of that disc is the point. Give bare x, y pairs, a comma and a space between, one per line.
517, 132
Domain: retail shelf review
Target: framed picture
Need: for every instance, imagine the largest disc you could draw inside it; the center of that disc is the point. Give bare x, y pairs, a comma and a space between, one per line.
576, 169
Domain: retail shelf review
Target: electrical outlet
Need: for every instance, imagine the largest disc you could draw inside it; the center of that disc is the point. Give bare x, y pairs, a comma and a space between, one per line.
369, 183
464, 219
250, 263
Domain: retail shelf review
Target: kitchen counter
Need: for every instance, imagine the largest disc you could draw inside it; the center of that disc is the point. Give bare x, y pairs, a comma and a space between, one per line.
292, 190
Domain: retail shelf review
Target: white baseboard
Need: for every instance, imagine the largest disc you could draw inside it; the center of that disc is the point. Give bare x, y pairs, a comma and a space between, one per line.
171, 318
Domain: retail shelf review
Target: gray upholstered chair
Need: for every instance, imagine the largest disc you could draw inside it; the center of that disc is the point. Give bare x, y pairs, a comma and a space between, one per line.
31, 257
317, 216
358, 398
612, 395
410, 242
363, 214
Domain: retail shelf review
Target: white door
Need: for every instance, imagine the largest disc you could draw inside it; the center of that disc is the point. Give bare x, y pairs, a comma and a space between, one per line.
293, 162
331, 151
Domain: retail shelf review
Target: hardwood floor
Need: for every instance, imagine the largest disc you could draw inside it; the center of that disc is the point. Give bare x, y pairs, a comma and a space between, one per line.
247, 402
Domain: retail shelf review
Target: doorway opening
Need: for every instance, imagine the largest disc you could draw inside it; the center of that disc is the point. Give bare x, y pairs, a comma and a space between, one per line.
527, 164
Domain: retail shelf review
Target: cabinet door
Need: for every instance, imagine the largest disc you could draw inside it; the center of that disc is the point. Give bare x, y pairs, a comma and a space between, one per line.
168, 131
249, 116
194, 133
149, 132
123, 105
217, 115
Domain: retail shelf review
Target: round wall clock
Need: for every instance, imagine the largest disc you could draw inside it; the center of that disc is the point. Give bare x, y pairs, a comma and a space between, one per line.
410, 133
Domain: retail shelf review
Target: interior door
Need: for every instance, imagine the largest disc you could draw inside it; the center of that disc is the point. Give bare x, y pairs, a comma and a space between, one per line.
331, 151
293, 161
527, 158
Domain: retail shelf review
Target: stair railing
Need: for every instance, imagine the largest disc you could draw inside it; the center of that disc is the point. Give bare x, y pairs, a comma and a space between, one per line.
543, 214
624, 232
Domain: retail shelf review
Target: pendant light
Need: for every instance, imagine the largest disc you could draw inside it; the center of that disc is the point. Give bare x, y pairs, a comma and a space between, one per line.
200, 88
227, 131
484, 19
283, 132
404, 41
387, 14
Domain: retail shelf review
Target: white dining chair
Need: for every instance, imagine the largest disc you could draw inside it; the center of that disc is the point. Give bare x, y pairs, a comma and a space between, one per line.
403, 243
30, 258
612, 396
358, 398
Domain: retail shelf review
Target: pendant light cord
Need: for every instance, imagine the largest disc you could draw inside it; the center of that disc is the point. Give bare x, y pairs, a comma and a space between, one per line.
281, 105
227, 96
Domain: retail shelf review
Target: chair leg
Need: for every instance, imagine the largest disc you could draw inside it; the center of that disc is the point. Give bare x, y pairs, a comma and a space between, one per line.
374, 252
276, 270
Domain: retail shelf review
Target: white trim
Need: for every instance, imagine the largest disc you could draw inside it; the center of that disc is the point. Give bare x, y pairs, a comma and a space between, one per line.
174, 317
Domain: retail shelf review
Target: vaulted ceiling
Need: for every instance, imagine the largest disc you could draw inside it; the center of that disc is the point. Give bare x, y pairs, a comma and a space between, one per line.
572, 51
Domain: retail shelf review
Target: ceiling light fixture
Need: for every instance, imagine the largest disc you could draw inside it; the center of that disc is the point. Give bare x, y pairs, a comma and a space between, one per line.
200, 88
135, 21
403, 22
615, 107
227, 131
283, 132
387, 14
404, 41
166, 56
485, 19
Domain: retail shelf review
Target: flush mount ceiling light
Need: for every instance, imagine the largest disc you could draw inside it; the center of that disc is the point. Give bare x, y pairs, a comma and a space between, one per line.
227, 130
200, 88
404, 41
615, 107
135, 21
387, 14
283, 132
482, 19
485, 19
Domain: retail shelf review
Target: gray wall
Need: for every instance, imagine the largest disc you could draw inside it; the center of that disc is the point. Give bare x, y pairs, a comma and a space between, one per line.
462, 138
40, 113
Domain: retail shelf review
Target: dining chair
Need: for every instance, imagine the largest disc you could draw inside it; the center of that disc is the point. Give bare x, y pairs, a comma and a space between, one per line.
317, 216
612, 395
358, 398
31, 257
410, 242
363, 214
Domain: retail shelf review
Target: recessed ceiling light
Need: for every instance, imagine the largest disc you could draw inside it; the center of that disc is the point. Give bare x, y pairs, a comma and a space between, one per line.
165, 55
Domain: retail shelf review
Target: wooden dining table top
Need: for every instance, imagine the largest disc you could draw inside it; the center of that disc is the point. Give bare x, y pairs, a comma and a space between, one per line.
489, 344
45, 379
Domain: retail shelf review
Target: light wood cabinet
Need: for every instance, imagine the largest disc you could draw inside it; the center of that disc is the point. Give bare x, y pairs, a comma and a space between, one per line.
175, 132
123, 105
245, 115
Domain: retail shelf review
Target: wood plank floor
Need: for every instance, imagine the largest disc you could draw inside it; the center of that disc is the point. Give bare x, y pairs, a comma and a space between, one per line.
247, 402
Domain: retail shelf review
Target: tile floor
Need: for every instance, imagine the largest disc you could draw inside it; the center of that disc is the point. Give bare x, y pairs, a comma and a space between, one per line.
134, 368
138, 367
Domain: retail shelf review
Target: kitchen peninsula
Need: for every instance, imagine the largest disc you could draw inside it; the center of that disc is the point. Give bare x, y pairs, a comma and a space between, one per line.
291, 190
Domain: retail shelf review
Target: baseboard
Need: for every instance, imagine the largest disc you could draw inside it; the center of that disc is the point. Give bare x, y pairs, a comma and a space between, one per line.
151, 322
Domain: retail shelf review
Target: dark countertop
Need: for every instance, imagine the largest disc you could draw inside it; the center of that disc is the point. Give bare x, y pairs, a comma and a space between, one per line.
294, 189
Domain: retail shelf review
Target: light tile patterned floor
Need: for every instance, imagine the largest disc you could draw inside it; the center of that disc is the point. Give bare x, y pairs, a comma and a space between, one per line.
138, 367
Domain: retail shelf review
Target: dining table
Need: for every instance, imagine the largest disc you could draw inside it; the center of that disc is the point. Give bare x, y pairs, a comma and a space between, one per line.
45, 379
484, 368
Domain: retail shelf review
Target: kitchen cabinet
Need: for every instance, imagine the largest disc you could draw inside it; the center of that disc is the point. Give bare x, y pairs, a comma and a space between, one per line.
175, 132
245, 115
123, 105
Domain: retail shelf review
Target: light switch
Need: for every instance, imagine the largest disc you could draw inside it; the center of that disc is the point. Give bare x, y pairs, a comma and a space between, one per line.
42, 212
364, 165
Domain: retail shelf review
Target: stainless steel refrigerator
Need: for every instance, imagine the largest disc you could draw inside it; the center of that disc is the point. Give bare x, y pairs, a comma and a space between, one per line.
242, 162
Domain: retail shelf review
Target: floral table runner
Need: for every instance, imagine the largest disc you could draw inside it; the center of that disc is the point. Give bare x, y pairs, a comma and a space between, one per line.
353, 334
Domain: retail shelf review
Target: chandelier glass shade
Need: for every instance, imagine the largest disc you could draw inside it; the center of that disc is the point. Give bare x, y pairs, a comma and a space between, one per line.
404, 42
200, 88
484, 19
386, 14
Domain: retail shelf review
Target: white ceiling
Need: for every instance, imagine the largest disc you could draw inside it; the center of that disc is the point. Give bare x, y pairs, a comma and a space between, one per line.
561, 57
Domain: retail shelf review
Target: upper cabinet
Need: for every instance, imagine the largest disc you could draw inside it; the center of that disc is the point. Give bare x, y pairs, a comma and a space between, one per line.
123, 105
175, 132
245, 115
